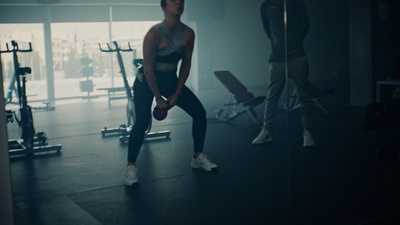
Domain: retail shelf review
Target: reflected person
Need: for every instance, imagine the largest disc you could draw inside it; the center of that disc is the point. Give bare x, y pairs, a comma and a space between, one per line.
287, 46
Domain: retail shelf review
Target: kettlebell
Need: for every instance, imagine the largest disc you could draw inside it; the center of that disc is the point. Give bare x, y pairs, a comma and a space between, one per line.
160, 113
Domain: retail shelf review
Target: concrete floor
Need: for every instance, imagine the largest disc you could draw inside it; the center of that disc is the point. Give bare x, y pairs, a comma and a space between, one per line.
339, 182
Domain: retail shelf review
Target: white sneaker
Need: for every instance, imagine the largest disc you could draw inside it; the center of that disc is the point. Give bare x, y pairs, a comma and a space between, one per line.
308, 139
202, 162
130, 175
264, 136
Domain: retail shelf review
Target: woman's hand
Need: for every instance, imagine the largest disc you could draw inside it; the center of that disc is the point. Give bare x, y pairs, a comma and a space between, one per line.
173, 99
161, 102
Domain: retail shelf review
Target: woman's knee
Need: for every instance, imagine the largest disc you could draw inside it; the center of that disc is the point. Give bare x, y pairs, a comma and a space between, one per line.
140, 126
199, 114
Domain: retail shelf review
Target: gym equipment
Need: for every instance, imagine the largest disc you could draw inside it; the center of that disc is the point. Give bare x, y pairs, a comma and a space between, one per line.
87, 71
124, 129
379, 116
160, 113
30, 142
13, 87
47, 106
240, 100
293, 102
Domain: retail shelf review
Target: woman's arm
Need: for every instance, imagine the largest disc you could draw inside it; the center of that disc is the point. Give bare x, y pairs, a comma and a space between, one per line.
150, 44
185, 68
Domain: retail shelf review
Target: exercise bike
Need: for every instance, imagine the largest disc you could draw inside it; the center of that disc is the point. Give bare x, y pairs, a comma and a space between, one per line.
12, 86
124, 129
30, 141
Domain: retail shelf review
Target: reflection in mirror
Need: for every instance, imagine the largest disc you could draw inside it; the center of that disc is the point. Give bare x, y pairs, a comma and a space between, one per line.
308, 91
350, 53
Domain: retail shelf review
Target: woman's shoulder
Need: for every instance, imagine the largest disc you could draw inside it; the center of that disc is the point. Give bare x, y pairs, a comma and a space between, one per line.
188, 29
186, 26
153, 31
157, 29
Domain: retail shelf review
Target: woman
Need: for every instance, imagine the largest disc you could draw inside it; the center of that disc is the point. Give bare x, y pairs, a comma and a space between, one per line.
164, 45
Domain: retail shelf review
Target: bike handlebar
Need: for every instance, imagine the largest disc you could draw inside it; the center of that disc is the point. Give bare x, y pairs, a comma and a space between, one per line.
16, 48
117, 48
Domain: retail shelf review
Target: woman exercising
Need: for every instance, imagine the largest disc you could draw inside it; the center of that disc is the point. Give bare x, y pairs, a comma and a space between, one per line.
164, 45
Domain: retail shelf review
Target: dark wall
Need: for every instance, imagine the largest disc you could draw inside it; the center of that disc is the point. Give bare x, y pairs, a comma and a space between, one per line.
327, 43
385, 24
374, 46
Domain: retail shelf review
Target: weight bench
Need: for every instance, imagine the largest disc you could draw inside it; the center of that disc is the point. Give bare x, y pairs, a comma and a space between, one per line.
114, 93
240, 100
294, 103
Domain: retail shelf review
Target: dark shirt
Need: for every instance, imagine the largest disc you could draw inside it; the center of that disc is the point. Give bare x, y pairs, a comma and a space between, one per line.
273, 20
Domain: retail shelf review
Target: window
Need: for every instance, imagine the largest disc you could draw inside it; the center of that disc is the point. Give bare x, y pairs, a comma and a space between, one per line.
23, 34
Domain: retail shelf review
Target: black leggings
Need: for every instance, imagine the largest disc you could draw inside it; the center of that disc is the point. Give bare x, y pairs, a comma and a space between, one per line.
143, 98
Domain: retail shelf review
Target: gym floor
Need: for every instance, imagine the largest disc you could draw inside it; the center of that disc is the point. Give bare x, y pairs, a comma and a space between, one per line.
339, 182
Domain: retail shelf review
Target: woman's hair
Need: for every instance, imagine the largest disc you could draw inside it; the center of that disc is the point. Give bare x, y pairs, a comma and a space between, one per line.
163, 3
